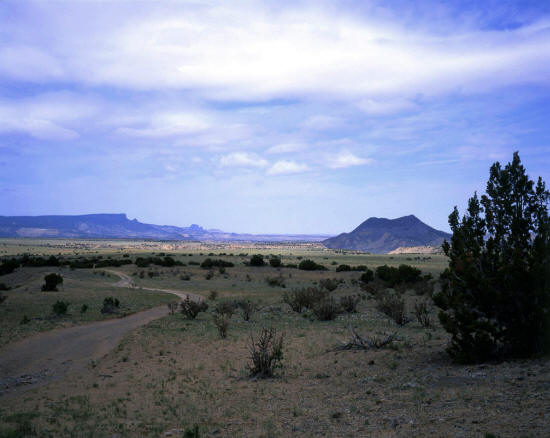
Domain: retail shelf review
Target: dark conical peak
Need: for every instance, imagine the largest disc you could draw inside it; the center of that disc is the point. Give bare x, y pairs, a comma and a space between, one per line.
378, 222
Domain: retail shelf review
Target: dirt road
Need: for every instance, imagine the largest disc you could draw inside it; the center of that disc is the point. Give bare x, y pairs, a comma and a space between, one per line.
52, 354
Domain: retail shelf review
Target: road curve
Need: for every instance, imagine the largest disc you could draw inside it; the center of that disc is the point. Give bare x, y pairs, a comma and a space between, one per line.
52, 354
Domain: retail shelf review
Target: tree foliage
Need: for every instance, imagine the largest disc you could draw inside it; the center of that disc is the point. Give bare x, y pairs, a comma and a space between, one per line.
495, 298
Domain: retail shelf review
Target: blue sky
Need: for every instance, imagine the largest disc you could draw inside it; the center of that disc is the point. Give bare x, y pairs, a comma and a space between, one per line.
267, 117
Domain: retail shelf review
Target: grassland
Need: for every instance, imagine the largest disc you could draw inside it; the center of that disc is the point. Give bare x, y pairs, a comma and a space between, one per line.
174, 372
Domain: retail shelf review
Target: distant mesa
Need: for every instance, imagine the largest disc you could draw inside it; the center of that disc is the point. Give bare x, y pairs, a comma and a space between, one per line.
381, 236
118, 226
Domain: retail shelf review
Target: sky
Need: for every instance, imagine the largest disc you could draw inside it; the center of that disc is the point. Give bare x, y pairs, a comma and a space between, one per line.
268, 117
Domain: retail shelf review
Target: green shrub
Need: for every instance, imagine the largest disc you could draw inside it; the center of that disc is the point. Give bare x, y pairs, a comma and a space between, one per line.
60, 307
343, 268
192, 432
110, 305
310, 265
495, 296
367, 276
403, 274
51, 281
83, 309
216, 263
275, 262
257, 260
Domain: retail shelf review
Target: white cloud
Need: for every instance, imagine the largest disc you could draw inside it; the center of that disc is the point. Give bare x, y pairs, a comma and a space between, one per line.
346, 159
284, 148
384, 107
167, 125
242, 159
283, 167
322, 122
248, 51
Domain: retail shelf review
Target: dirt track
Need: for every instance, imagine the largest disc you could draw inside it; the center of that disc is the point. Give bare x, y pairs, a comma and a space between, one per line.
52, 354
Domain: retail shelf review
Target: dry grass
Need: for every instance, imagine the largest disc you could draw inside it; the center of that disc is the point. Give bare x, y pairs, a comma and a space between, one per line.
176, 372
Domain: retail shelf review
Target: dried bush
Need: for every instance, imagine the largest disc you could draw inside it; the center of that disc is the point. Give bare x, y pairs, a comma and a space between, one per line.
276, 281
422, 312
326, 310
329, 284
349, 303
172, 307
393, 306
305, 298
247, 308
192, 308
221, 321
225, 308
213, 295
266, 354
110, 305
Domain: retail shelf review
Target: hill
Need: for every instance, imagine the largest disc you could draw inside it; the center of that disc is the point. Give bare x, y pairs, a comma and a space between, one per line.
118, 226
380, 235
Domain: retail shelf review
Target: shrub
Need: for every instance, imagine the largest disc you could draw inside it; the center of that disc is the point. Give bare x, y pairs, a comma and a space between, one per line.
110, 305
349, 303
343, 268
275, 262
216, 263
191, 308
266, 354
359, 268
2, 297
221, 321
422, 313
393, 306
367, 276
83, 309
209, 275
326, 309
402, 274
213, 295
276, 281
329, 284
310, 265
257, 260
60, 308
225, 308
291, 266
192, 432
51, 281
25, 320
185, 277
247, 308
495, 297
305, 298
4, 287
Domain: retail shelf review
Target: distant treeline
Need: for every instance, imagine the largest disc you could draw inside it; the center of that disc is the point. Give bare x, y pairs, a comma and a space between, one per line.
9, 265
